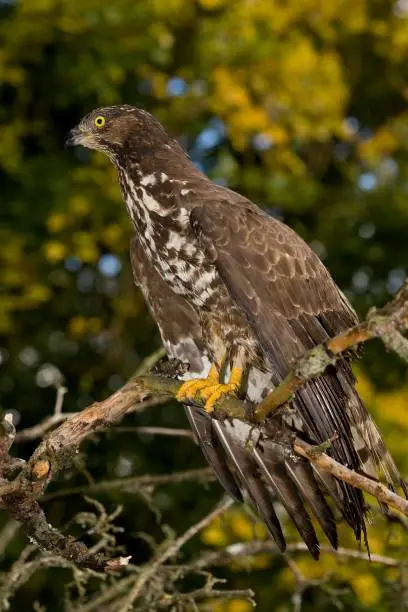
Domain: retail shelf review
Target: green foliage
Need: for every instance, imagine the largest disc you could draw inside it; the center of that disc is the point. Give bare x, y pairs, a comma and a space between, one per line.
301, 105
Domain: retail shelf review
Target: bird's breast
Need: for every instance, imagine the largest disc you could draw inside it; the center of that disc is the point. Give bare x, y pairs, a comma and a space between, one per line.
181, 263
167, 238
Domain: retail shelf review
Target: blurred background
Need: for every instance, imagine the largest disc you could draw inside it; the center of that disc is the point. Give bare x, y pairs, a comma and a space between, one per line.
300, 105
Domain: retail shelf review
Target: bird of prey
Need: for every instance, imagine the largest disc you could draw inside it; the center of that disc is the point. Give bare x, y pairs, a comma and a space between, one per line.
238, 296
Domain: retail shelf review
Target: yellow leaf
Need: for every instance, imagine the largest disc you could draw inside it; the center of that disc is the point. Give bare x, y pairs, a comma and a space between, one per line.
57, 222
78, 326
365, 388
233, 605
384, 142
6, 307
243, 526
366, 588
85, 247
88, 253
214, 535
261, 561
13, 277
94, 325
239, 605
55, 251
112, 234
14, 76
79, 205
38, 293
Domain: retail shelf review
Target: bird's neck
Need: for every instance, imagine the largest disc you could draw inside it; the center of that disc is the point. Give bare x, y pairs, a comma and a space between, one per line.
166, 174
147, 166
157, 184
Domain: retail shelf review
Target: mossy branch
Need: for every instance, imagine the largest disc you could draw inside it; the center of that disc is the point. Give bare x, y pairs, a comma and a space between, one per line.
19, 495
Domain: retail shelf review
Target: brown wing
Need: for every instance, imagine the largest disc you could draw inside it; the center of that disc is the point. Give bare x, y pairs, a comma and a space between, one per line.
273, 275
181, 334
292, 304
177, 321
225, 444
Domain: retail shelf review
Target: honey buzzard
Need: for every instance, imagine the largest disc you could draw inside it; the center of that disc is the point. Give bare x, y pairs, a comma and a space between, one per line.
239, 297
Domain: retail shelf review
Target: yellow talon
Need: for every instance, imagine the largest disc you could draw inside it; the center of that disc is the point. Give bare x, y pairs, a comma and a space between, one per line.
212, 394
215, 392
192, 387
210, 389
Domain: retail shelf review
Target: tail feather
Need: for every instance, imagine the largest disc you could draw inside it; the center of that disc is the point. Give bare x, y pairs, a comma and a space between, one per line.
321, 403
204, 432
275, 474
302, 475
375, 459
263, 471
250, 481
258, 462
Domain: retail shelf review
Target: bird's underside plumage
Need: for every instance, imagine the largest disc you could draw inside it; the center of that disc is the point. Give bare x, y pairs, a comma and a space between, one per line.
258, 464
221, 276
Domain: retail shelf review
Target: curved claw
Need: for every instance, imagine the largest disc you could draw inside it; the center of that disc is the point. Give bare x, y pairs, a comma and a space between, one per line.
191, 388
210, 389
214, 393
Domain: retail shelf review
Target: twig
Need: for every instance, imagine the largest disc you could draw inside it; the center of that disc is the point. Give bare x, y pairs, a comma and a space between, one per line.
386, 323
7, 534
254, 547
301, 583
138, 394
22, 571
157, 431
59, 400
110, 593
59, 448
372, 487
231, 553
150, 361
347, 553
169, 552
39, 430
23, 508
205, 593
8, 464
136, 482
56, 452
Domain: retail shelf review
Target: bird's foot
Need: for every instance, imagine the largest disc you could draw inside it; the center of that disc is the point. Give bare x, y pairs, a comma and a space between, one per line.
210, 389
214, 393
191, 388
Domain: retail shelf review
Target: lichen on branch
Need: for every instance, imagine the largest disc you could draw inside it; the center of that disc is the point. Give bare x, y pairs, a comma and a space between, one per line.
19, 494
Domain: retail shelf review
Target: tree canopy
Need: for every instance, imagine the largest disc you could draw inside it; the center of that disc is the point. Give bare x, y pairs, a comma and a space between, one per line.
300, 105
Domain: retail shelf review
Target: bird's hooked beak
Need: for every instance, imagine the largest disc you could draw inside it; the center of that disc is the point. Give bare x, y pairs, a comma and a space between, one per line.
73, 137
78, 136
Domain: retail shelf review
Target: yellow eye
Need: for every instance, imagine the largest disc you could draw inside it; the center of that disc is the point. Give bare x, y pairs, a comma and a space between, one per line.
99, 121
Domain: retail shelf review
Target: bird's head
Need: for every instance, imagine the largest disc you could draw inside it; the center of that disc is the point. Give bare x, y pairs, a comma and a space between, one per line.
118, 130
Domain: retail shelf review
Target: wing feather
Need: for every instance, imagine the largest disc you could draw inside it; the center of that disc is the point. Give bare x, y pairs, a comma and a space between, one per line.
224, 444
275, 474
213, 451
292, 303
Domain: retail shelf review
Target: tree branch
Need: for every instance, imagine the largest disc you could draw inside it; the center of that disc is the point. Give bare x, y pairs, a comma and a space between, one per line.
372, 487
254, 547
387, 323
168, 552
135, 483
58, 449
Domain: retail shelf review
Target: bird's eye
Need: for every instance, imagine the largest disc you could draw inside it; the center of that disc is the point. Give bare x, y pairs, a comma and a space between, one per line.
99, 121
